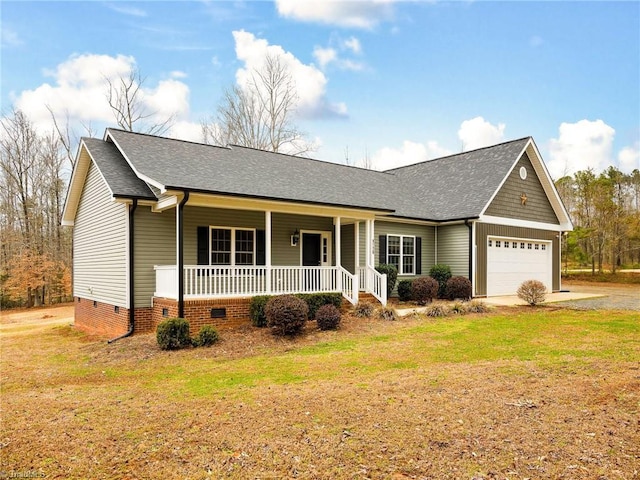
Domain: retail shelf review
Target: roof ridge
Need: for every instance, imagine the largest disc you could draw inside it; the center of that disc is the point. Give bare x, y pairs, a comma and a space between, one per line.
165, 138
458, 154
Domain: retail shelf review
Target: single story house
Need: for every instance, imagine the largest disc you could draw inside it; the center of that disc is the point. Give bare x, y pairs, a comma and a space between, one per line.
165, 227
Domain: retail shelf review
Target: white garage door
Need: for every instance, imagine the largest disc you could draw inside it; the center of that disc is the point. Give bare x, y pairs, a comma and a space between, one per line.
511, 261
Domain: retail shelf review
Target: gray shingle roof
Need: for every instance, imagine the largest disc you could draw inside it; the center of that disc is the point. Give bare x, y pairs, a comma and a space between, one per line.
122, 181
449, 188
244, 171
458, 186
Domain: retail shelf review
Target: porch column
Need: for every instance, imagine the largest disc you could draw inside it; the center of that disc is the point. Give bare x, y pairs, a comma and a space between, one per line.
180, 252
337, 223
356, 241
369, 250
267, 249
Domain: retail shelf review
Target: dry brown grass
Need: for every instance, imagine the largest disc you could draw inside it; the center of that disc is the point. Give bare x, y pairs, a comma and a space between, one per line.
367, 401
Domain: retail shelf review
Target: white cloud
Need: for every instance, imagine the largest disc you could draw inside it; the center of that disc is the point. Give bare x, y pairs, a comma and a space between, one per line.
10, 38
579, 146
127, 10
478, 133
343, 13
178, 74
629, 158
310, 81
409, 153
353, 44
324, 56
79, 90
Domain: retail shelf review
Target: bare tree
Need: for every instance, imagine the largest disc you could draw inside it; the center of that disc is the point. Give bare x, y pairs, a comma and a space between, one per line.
124, 95
260, 114
68, 138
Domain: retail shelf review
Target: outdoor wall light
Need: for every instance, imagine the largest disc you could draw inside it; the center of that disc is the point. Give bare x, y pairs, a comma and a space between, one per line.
295, 238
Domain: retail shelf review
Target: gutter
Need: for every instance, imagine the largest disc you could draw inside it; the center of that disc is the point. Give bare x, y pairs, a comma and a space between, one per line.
180, 272
470, 227
132, 316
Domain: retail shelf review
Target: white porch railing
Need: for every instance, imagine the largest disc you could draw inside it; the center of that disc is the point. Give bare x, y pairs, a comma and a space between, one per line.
202, 281
374, 282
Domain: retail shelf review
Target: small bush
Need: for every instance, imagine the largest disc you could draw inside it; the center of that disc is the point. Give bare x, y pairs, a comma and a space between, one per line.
532, 291
437, 310
206, 337
328, 317
386, 313
173, 334
459, 308
256, 310
458, 287
363, 310
392, 276
286, 314
316, 300
476, 306
424, 290
404, 290
441, 273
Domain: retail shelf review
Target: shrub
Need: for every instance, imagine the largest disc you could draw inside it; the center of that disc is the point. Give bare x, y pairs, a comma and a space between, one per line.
256, 310
328, 317
532, 292
392, 276
458, 287
404, 290
459, 308
206, 337
437, 310
424, 290
173, 334
286, 314
476, 306
386, 313
363, 309
316, 300
441, 273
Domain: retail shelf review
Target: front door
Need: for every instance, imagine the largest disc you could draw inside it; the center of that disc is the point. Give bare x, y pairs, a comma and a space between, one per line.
311, 249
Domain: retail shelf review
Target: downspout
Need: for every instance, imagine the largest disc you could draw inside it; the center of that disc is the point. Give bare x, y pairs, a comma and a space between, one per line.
132, 316
181, 255
470, 227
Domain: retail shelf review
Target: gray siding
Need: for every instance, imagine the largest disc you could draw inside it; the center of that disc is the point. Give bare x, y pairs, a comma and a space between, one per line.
283, 225
348, 247
453, 248
427, 233
155, 244
195, 217
507, 202
483, 230
100, 244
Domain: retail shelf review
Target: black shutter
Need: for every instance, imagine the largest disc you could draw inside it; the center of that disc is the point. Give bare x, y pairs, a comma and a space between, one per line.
382, 254
203, 245
261, 256
418, 256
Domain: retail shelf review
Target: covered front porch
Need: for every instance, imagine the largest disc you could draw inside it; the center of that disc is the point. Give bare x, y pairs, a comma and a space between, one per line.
246, 247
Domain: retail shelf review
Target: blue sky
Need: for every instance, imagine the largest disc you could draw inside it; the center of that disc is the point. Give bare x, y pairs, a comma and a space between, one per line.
397, 82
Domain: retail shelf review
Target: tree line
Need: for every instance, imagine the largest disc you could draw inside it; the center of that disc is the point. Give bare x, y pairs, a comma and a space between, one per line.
605, 210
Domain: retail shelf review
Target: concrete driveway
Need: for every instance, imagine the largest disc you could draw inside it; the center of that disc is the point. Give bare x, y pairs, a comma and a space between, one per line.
585, 296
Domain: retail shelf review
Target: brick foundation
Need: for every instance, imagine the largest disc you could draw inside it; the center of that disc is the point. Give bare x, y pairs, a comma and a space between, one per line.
102, 319
198, 312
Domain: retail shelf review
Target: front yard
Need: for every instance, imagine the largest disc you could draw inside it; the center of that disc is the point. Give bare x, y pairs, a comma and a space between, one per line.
517, 393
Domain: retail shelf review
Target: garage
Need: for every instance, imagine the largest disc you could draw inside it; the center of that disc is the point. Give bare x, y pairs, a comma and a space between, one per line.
511, 261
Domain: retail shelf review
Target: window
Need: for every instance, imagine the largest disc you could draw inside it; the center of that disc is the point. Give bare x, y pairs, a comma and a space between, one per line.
522, 245
401, 253
514, 244
498, 243
232, 246
529, 246
544, 247
537, 247
490, 243
506, 244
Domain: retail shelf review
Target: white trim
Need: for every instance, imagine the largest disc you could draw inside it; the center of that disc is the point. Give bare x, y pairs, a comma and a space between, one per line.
164, 203
504, 180
232, 259
127, 256
435, 237
516, 222
323, 234
400, 262
155, 183
356, 242
474, 258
